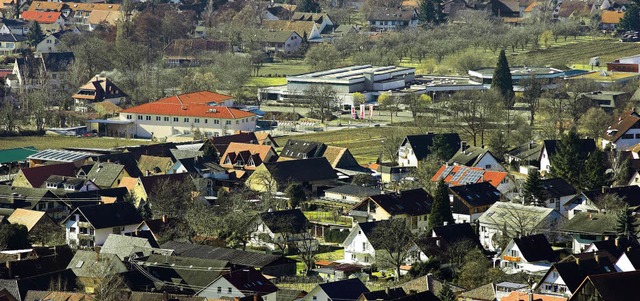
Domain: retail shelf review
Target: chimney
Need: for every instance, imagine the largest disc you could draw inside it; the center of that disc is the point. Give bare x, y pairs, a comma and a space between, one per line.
255, 297
617, 242
605, 189
165, 218
463, 147
590, 216
165, 296
577, 261
147, 173
596, 257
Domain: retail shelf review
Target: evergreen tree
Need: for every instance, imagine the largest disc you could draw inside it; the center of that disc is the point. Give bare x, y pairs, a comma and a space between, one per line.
430, 13
296, 194
446, 293
442, 150
502, 81
440, 210
627, 226
631, 18
532, 189
308, 6
35, 34
595, 174
568, 161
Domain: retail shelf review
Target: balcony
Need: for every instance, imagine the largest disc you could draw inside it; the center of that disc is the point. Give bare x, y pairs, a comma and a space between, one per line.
511, 258
358, 213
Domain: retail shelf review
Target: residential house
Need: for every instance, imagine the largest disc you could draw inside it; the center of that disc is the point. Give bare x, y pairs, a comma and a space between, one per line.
279, 41
268, 264
333, 271
93, 197
154, 165
445, 238
608, 287
174, 277
92, 268
278, 230
428, 283
550, 147
461, 175
523, 295
557, 193
323, 20
15, 27
54, 156
524, 155
469, 202
144, 187
629, 260
89, 226
11, 43
147, 296
277, 11
517, 220
182, 114
623, 133
492, 291
572, 10
391, 18
415, 148
98, 89
245, 156
75, 184
85, 16
586, 228
609, 19
40, 226
350, 194
107, 174
39, 199
564, 277
359, 248
204, 168
472, 156
349, 289
313, 174
48, 68
247, 282
219, 145
596, 200
607, 100
506, 8
412, 205
300, 149
50, 17
386, 294
529, 254
616, 247
125, 247
34, 177
308, 30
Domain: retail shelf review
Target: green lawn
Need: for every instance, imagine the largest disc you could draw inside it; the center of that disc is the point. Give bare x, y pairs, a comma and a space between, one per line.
266, 81
283, 68
45, 142
327, 217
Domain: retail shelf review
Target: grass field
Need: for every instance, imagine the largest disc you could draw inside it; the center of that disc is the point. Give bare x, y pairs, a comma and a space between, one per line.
290, 67
266, 81
327, 217
363, 143
45, 142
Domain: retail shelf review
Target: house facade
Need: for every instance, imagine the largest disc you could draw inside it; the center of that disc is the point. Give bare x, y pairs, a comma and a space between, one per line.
384, 19
279, 230
413, 206
89, 226
357, 247
469, 202
623, 133
415, 148
529, 254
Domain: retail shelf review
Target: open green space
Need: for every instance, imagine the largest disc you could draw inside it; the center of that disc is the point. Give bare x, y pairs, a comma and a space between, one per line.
327, 217
45, 142
266, 81
284, 68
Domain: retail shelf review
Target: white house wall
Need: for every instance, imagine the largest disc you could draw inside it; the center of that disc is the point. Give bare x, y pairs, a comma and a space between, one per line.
489, 162
357, 248
163, 128
227, 290
624, 264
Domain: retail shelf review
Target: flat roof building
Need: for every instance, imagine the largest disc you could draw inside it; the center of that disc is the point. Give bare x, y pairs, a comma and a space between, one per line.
485, 75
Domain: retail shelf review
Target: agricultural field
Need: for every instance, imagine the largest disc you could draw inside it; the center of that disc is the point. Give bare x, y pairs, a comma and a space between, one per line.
45, 142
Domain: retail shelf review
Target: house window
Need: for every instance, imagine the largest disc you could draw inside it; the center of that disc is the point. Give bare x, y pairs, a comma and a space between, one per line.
315, 298
186, 119
72, 230
84, 231
237, 121
128, 116
219, 289
514, 253
166, 119
637, 136
158, 118
118, 230
216, 121
196, 120
229, 290
364, 246
228, 122
148, 117
353, 257
627, 136
139, 117
206, 120
488, 166
175, 119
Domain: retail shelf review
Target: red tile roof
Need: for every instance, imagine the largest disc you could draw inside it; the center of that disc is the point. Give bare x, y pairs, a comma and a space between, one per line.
611, 17
493, 177
192, 105
37, 175
41, 16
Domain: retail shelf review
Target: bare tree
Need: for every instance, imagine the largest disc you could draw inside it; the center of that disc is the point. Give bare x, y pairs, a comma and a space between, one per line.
322, 97
393, 241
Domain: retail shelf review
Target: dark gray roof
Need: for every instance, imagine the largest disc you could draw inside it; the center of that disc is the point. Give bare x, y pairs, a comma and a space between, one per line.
421, 144
390, 294
11, 285
616, 286
529, 151
9, 37
110, 215
354, 190
93, 265
535, 248
177, 269
557, 188
349, 289
470, 156
147, 296
478, 194
586, 146
591, 223
628, 194
105, 174
303, 170
391, 14
413, 202
292, 221
123, 246
235, 257
302, 149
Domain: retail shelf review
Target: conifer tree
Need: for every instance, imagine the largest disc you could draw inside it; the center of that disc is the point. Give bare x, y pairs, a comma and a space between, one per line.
35, 34
532, 189
568, 161
626, 226
440, 210
502, 81
595, 174
631, 18
430, 13
446, 293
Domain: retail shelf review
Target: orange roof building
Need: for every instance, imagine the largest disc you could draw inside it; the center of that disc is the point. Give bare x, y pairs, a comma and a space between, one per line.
186, 114
48, 17
611, 17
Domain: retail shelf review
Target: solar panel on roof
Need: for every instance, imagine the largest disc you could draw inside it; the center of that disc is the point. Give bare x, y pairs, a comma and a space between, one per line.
447, 170
459, 175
